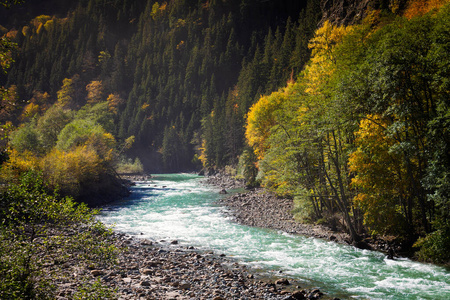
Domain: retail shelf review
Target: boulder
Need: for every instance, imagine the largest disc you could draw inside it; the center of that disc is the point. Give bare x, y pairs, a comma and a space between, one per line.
298, 295
146, 272
282, 281
97, 273
184, 286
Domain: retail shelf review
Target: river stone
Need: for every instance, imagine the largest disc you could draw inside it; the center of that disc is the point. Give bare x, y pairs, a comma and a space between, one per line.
152, 264
282, 281
298, 295
145, 283
173, 295
146, 243
147, 272
126, 280
96, 273
184, 286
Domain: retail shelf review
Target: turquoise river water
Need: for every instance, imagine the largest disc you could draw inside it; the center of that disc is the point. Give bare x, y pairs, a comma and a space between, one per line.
180, 207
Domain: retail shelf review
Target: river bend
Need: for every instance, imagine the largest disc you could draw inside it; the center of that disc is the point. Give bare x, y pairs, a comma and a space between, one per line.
181, 207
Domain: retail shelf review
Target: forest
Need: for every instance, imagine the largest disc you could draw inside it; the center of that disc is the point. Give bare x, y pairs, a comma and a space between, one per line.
349, 120
361, 137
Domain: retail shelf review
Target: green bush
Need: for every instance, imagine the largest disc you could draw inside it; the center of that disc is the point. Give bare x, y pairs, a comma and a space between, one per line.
127, 166
247, 167
435, 247
39, 233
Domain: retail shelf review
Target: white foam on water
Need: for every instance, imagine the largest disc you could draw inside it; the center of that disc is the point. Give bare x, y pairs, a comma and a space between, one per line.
181, 207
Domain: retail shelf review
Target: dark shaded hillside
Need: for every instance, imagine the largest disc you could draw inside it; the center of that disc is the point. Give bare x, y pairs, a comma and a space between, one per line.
185, 72
19, 15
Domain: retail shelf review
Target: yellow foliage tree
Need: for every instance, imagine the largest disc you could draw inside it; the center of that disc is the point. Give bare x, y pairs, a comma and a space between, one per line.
25, 30
114, 100
70, 171
39, 20
18, 164
42, 99
49, 24
103, 144
29, 111
66, 93
95, 92
380, 178
203, 157
322, 63
261, 119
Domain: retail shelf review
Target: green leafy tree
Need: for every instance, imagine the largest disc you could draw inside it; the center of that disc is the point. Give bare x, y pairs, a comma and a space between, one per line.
50, 124
26, 138
76, 133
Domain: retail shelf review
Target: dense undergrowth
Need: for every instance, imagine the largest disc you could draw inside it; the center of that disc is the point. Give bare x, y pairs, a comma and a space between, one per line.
42, 233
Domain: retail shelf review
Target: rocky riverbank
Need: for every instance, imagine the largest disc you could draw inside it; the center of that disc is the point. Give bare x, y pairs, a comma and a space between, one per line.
148, 269
165, 270
260, 208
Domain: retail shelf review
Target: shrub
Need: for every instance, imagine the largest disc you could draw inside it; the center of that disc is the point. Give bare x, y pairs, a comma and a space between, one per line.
435, 247
38, 227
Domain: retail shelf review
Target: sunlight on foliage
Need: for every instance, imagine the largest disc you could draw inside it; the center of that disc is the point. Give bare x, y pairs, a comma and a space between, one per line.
322, 63
420, 7
260, 120
379, 178
69, 171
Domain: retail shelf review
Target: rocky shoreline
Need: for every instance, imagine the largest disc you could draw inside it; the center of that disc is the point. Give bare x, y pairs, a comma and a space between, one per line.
148, 269
260, 208
164, 270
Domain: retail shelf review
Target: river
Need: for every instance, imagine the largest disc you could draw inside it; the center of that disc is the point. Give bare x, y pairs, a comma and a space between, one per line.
180, 207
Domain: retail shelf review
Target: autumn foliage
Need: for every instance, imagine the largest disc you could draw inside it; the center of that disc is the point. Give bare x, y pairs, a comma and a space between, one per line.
361, 140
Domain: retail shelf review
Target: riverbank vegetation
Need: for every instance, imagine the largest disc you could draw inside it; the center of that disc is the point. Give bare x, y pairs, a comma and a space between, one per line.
41, 234
362, 136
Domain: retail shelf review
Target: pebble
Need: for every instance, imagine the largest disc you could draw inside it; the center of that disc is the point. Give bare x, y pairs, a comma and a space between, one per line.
163, 272
150, 270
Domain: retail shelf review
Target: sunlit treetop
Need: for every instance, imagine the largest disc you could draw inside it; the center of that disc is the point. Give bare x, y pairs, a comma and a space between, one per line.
421, 7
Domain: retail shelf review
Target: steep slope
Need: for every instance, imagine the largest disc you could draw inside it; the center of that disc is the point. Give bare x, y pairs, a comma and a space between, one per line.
180, 72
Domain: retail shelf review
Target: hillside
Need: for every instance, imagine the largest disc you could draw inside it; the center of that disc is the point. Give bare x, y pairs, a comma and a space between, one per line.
168, 65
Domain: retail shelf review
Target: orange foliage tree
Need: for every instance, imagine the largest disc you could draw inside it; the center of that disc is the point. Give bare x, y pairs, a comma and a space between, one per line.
421, 7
